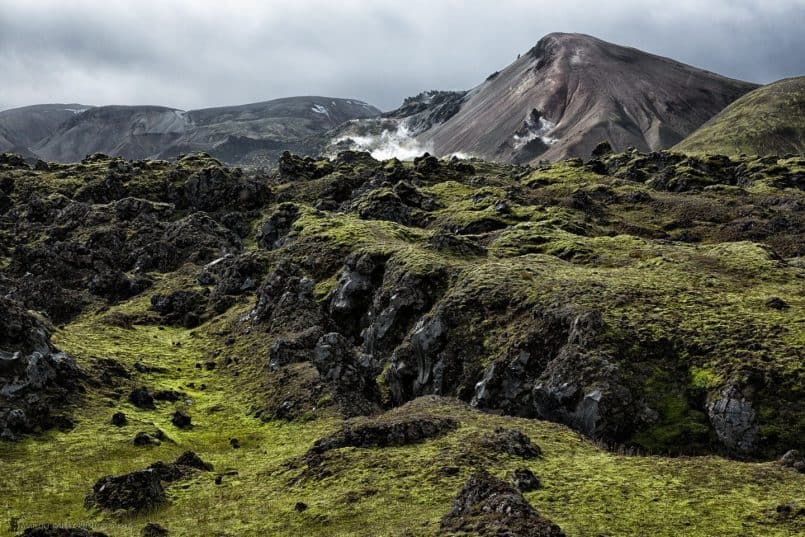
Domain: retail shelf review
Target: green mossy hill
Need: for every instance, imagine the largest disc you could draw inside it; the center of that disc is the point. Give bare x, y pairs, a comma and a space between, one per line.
402, 489
767, 121
333, 332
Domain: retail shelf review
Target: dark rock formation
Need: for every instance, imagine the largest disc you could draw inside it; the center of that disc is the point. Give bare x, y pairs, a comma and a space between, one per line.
395, 428
525, 480
794, 460
134, 492
512, 442
349, 373
351, 298
142, 398
276, 227
181, 419
587, 392
488, 506
184, 466
119, 419
154, 530
142, 490
185, 308
143, 438
36, 380
214, 188
733, 419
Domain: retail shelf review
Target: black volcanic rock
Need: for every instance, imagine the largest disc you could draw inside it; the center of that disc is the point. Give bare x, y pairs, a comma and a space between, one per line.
142, 398
134, 492
36, 380
50, 530
488, 506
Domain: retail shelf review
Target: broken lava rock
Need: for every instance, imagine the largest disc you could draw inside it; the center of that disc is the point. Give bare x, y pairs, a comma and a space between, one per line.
733, 419
390, 429
512, 442
36, 380
132, 492
154, 530
793, 459
488, 506
143, 489
525, 480
181, 419
142, 398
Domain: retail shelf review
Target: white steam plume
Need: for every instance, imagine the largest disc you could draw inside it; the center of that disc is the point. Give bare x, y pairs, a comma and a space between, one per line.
398, 143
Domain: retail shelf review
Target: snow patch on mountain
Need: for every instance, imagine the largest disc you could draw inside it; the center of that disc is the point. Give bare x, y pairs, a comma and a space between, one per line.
535, 127
319, 109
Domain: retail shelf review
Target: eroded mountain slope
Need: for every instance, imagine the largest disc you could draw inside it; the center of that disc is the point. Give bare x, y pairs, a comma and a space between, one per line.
559, 100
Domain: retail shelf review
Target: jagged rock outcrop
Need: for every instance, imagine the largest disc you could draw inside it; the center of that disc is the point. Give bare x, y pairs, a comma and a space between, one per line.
794, 460
134, 492
214, 188
184, 308
350, 374
733, 419
274, 229
349, 304
36, 380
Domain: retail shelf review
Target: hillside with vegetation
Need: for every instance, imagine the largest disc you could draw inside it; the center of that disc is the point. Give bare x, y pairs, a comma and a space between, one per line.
438, 347
767, 121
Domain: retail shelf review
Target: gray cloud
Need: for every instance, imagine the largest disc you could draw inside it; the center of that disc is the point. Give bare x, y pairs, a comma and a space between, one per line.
195, 53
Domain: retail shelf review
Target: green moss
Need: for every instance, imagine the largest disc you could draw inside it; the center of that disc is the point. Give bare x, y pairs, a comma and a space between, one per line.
703, 378
765, 121
391, 491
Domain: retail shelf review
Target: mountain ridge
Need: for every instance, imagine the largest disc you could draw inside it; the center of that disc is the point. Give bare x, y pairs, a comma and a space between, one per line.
568, 93
257, 131
560, 99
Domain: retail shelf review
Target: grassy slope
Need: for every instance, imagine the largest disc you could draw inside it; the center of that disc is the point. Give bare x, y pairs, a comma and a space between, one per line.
766, 121
588, 491
398, 491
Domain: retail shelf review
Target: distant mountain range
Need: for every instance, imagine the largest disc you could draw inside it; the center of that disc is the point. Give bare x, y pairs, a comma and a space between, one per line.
23, 128
558, 100
246, 134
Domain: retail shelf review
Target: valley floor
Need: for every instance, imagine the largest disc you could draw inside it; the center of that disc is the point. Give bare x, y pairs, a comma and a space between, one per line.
376, 491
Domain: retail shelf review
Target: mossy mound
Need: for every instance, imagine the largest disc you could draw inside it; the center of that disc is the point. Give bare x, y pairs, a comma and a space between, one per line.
766, 121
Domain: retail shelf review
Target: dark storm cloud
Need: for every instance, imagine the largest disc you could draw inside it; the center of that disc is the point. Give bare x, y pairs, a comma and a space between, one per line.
192, 54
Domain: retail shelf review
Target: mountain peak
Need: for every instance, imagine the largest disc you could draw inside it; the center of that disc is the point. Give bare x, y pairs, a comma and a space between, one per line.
583, 91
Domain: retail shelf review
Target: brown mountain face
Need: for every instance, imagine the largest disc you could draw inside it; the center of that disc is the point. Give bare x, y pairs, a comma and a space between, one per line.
572, 91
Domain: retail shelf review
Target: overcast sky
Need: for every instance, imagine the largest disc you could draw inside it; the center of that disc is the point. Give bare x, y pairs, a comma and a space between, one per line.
194, 53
